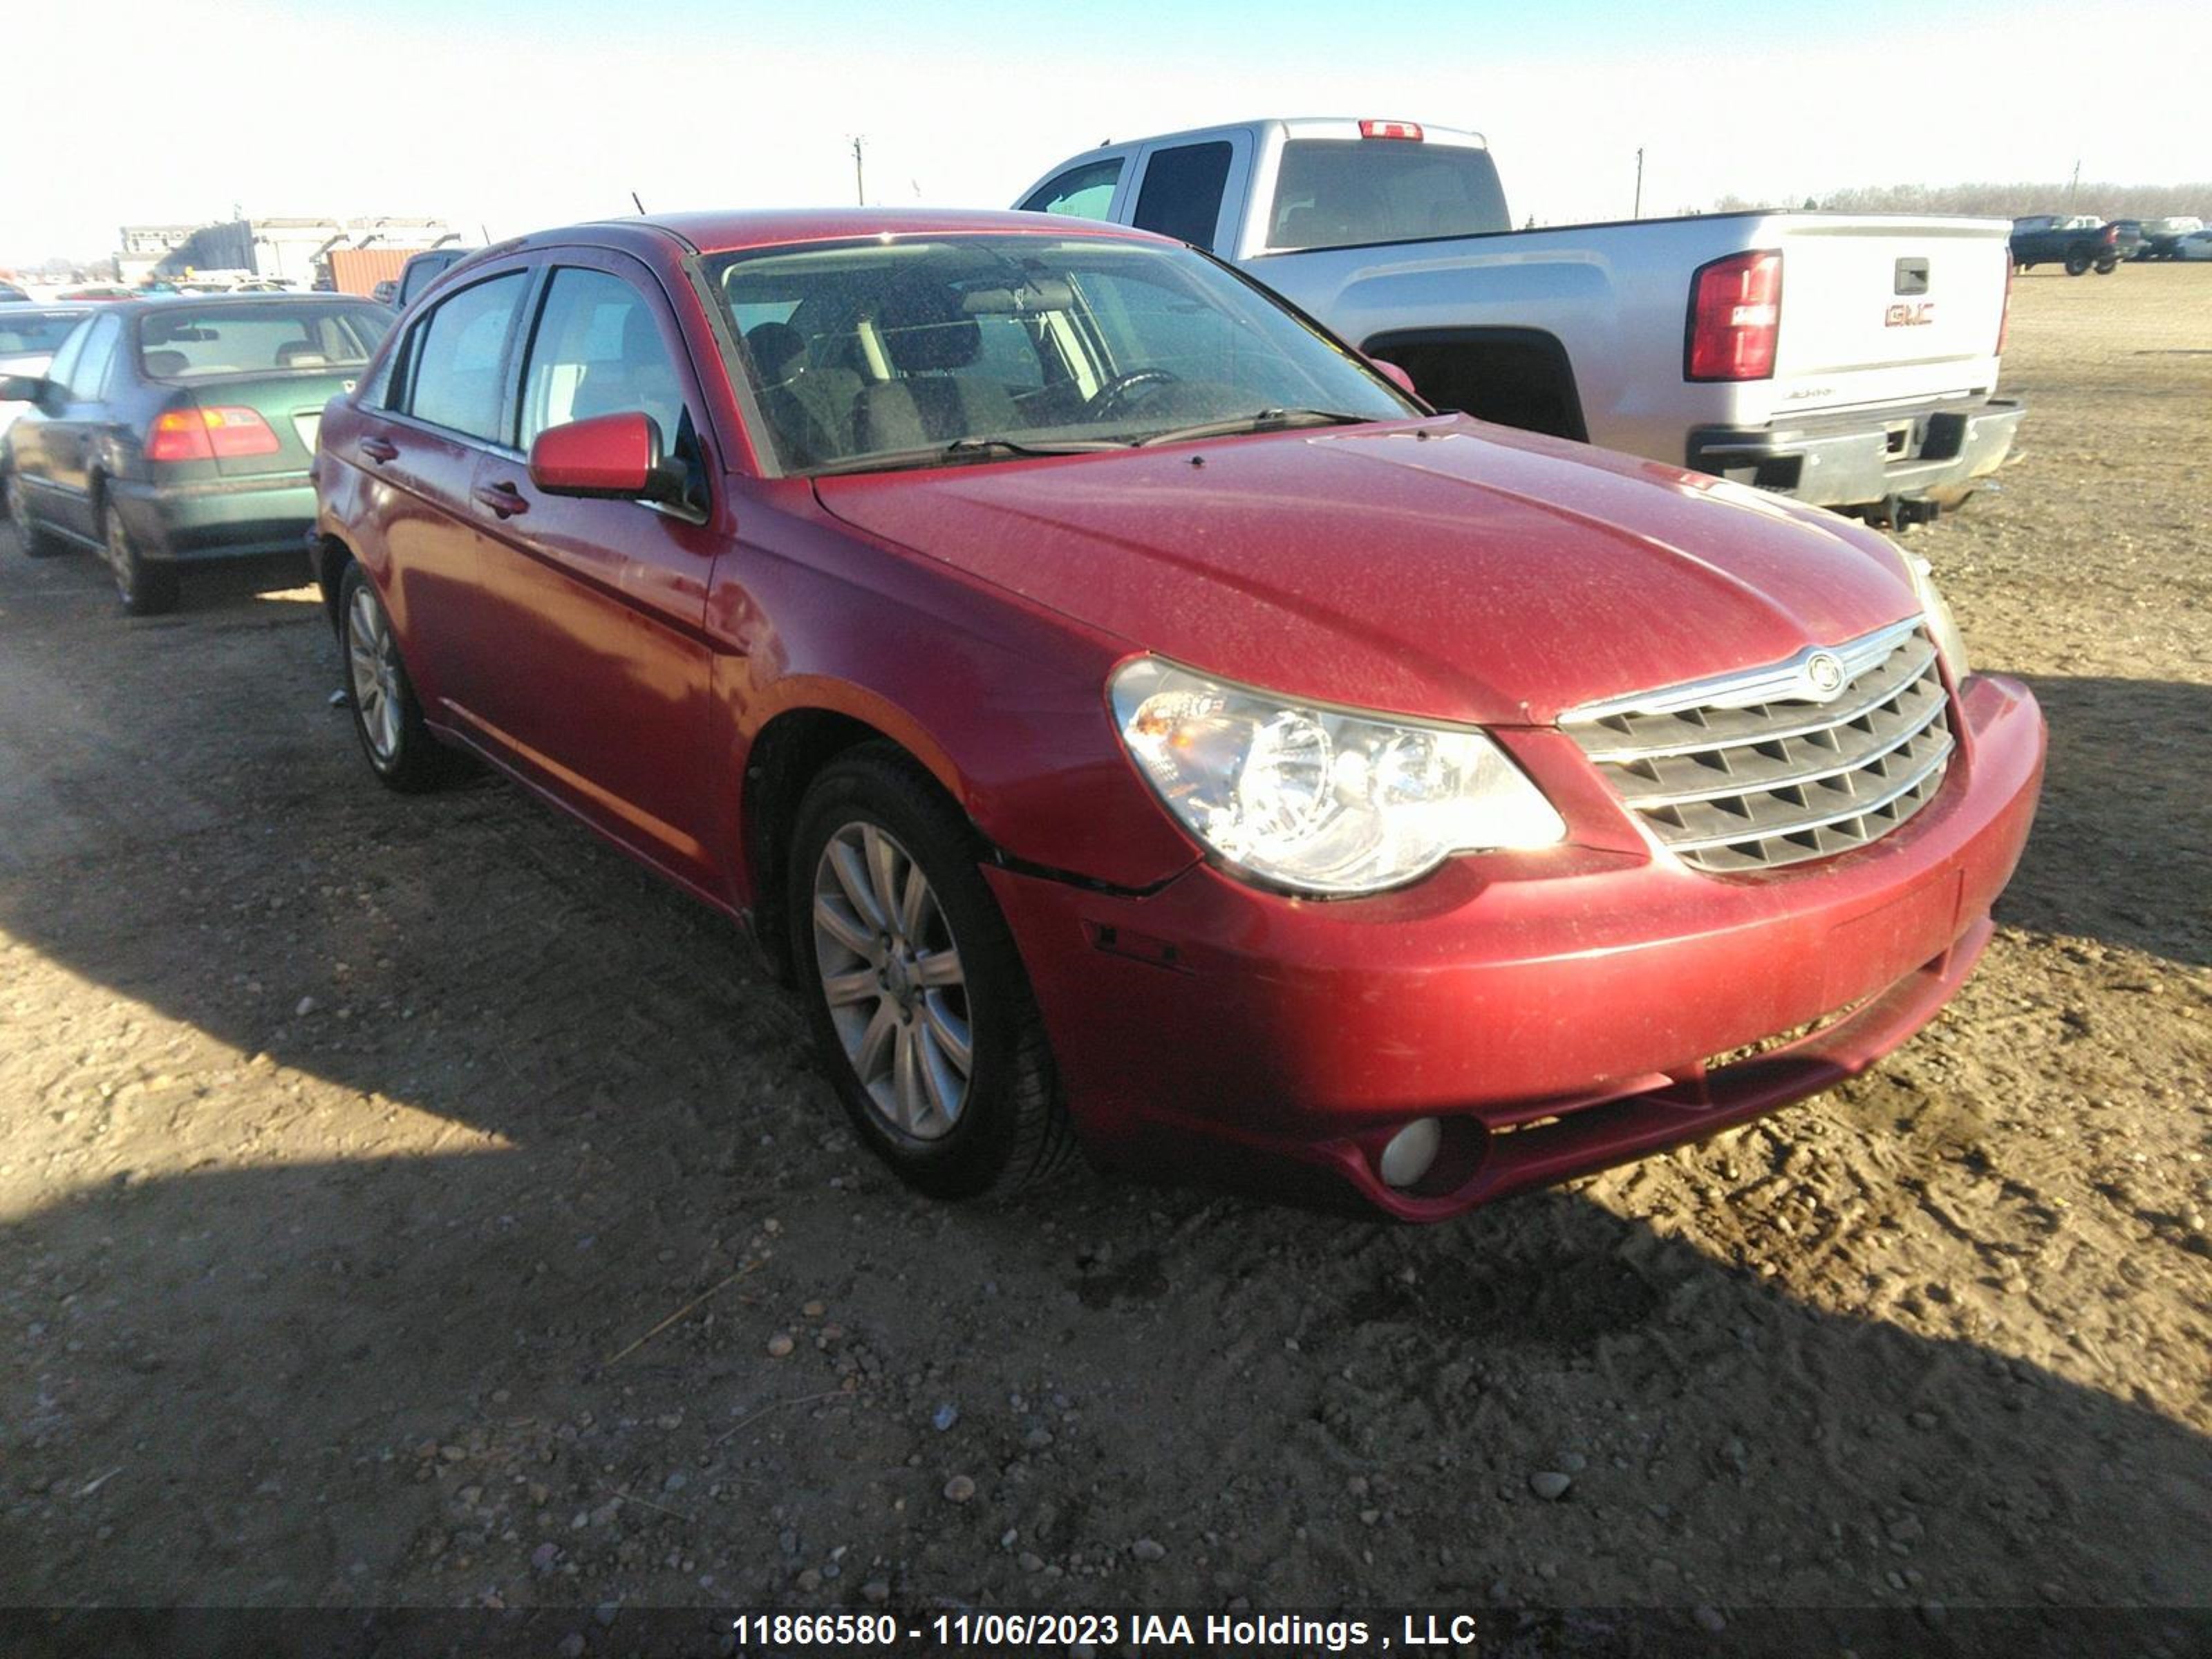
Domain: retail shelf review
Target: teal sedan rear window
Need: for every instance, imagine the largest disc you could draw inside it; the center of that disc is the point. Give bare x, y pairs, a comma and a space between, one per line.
239, 338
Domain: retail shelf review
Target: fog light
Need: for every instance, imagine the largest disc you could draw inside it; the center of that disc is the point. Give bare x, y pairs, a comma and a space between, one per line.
1410, 1153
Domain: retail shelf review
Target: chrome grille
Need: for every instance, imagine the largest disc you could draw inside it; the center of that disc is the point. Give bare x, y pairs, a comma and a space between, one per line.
1772, 767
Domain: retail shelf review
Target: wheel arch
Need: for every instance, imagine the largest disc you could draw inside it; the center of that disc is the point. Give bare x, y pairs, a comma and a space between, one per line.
1517, 377
327, 558
793, 748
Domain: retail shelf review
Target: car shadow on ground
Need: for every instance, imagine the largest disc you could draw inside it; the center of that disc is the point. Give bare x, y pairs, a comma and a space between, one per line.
2122, 849
423, 1226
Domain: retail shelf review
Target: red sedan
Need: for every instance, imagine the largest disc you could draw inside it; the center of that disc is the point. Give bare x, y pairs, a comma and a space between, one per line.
1129, 717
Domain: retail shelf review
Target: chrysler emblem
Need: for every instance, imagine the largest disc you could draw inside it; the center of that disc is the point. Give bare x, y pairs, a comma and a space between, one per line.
1824, 675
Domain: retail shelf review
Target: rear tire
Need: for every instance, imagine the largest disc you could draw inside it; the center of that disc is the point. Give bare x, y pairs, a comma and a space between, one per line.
146, 589
2107, 267
2076, 263
387, 720
916, 973
33, 537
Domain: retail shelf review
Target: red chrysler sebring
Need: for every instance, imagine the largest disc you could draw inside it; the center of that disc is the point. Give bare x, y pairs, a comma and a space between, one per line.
1128, 717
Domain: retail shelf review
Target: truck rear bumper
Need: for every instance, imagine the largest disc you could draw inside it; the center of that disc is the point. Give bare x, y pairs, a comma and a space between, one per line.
1930, 456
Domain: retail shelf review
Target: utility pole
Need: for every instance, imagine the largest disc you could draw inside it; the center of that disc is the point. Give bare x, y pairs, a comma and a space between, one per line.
860, 183
1637, 212
2074, 187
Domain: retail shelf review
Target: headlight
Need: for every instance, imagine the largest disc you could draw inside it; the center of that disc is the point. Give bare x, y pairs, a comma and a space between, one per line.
1316, 799
1941, 627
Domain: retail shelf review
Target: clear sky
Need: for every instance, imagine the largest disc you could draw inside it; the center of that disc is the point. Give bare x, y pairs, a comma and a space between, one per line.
511, 114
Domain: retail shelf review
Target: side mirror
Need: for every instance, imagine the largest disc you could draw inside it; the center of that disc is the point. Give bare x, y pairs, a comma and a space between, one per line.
609, 457
24, 388
1397, 376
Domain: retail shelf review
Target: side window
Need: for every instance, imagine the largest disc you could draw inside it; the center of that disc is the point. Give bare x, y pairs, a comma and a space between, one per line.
1182, 193
598, 351
67, 354
88, 378
1084, 192
457, 354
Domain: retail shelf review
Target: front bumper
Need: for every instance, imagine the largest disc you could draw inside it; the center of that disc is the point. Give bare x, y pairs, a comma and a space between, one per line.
1931, 456
1559, 1011
219, 519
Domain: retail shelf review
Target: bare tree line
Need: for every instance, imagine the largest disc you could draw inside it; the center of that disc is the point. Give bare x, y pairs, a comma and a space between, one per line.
2004, 200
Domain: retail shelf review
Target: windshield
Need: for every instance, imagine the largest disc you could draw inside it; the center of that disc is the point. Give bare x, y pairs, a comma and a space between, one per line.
24, 333
1332, 193
925, 349
240, 337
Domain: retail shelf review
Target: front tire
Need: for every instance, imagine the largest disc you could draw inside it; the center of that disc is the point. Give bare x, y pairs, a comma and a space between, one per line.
387, 720
917, 996
2076, 263
146, 589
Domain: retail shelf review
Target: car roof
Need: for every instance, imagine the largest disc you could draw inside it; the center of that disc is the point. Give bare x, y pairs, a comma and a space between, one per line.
730, 232
200, 301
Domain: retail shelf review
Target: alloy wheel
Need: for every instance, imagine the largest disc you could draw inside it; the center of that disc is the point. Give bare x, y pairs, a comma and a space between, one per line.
891, 976
372, 668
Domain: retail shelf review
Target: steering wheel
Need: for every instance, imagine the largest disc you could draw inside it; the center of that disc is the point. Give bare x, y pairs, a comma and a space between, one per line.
1109, 397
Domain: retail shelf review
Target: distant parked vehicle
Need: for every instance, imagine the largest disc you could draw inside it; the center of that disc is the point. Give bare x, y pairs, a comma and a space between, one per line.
424, 268
29, 337
2079, 242
175, 431
2162, 237
10, 294
386, 293
95, 294
2197, 244
1847, 361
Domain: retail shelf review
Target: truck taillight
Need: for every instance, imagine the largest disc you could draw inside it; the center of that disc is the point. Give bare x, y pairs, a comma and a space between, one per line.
1735, 317
226, 431
2004, 316
1391, 130
2109, 235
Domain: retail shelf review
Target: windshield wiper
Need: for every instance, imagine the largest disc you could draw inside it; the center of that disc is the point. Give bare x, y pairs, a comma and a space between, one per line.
1263, 420
960, 449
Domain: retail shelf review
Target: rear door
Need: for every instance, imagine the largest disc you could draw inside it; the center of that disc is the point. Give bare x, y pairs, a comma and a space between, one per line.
1194, 192
599, 606
445, 402
30, 451
1877, 311
75, 418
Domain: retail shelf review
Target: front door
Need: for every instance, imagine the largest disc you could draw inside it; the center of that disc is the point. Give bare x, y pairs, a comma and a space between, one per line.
597, 607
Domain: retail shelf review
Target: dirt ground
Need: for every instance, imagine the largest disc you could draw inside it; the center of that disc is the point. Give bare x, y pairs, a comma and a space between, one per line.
409, 1201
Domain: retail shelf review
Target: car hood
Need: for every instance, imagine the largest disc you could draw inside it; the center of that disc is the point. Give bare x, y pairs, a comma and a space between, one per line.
1451, 570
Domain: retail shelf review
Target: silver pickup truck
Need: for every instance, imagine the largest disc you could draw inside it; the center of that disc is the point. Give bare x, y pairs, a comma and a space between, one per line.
1848, 360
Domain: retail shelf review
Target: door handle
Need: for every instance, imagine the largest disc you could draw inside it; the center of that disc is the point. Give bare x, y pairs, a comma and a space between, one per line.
379, 449
503, 499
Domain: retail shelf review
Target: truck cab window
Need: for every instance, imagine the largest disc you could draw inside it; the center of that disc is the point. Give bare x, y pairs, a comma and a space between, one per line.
1181, 193
1081, 192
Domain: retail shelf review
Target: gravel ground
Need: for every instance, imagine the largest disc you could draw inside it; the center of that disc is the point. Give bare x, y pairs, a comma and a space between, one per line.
409, 1201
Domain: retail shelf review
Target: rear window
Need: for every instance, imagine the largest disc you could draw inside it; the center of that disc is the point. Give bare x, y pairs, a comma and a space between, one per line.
29, 333
1340, 192
238, 336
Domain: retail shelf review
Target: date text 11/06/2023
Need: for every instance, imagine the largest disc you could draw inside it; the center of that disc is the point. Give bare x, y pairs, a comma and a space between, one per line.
1237, 1633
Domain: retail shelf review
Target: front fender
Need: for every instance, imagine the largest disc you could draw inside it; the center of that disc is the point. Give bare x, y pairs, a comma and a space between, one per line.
1004, 701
